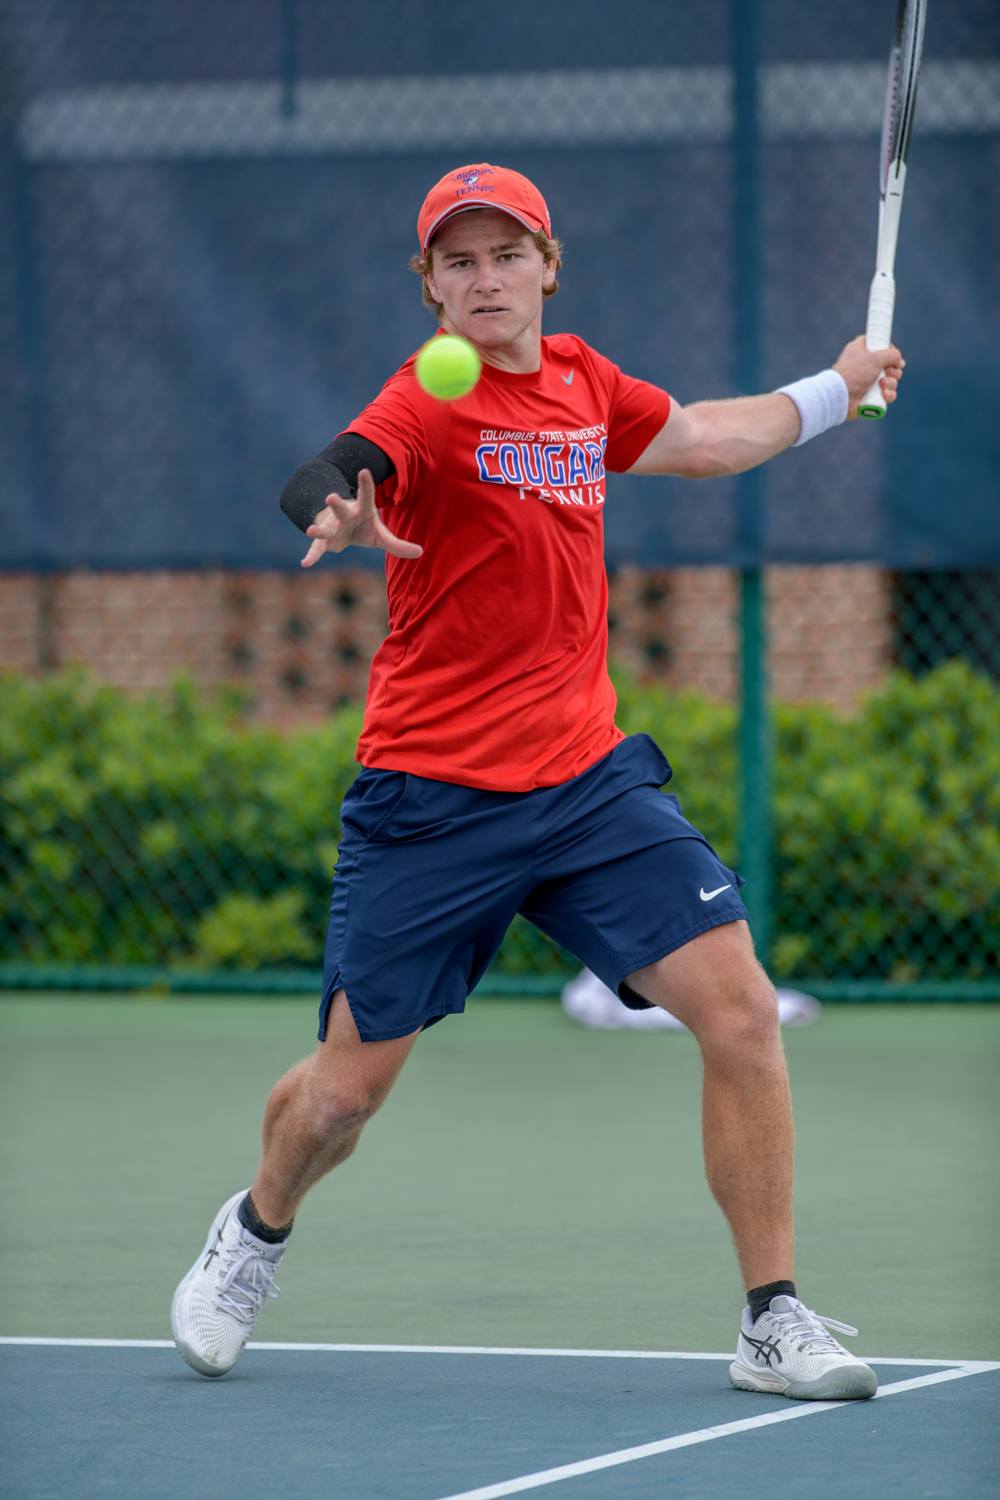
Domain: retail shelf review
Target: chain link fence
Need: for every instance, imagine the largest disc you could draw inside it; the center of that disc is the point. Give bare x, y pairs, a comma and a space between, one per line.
167, 831
171, 832
207, 221
937, 616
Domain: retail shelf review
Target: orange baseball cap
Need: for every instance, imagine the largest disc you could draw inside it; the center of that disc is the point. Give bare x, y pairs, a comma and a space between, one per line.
482, 186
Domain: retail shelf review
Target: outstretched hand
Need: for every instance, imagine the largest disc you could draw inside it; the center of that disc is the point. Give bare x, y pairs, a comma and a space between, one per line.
354, 523
859, 366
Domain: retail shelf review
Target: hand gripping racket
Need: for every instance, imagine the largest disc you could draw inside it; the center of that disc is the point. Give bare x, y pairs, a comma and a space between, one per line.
900, 101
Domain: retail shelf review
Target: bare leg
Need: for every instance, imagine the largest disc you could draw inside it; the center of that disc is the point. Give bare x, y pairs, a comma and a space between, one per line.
317, 1111
715, 985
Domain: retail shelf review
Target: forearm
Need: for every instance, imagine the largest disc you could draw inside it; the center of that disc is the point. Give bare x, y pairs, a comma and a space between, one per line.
714, 438
304, 496
332, 472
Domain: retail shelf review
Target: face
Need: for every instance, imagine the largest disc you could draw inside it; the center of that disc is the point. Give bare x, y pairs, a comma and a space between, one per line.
489, 274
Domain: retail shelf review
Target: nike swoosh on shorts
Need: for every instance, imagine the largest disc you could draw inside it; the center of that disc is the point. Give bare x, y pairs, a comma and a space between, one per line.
708, 895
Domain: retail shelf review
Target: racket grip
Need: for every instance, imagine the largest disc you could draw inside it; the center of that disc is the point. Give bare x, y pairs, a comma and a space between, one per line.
872, 403
878, 335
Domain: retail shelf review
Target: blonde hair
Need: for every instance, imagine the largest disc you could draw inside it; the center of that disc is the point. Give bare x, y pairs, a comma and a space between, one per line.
423, 265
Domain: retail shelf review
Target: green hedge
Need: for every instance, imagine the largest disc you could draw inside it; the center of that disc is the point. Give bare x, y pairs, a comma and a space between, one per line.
887, 823
170, 830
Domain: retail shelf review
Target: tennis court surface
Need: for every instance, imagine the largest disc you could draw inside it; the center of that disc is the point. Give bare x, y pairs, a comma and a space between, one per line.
470, 1304
425, 1424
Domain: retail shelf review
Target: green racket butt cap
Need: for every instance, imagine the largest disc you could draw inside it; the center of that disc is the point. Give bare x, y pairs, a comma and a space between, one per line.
871, 412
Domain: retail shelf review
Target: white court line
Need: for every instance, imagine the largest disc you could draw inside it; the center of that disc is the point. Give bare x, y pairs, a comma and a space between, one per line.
97, 1343
688, 1439
944, 1370
966, 1366
488, 1349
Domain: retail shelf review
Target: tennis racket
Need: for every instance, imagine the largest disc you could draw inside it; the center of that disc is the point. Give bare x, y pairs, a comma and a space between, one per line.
900, 101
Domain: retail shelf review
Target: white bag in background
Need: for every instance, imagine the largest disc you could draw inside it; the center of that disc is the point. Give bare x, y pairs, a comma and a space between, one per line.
588, 1000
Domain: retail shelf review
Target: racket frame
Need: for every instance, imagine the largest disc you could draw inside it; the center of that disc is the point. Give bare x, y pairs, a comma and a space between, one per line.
897, 125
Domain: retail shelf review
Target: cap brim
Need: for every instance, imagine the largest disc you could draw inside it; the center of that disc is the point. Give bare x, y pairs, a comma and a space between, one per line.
533, 225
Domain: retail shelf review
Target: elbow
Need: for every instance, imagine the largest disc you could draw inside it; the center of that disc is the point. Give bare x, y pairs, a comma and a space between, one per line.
304, 496
287, 495
703, 456
718, 457
291, 502
702, 466
709, 452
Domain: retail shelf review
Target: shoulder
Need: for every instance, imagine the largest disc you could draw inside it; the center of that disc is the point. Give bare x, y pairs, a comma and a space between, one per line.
571, 346
410, 427
573, 350
404, 402
402, 385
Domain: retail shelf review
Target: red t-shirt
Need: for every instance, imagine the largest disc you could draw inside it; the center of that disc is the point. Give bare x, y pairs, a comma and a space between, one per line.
494, 671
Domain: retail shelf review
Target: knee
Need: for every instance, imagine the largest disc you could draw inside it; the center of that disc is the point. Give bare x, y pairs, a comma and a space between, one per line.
742, 1017
715, 985
750, 1008
343, 1111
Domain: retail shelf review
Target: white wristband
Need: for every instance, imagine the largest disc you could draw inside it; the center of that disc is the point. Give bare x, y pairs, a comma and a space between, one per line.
822, 401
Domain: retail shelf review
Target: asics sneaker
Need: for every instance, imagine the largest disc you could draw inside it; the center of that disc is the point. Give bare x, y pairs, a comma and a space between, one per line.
788, 1352
216, 1305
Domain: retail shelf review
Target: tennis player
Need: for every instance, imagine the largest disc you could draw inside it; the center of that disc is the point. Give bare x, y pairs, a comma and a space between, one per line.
494, 779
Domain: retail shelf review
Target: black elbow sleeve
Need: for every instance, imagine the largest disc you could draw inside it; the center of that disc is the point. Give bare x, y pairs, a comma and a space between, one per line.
304, 496
333, 472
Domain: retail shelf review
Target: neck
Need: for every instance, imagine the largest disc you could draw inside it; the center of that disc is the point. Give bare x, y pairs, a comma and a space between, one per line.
522, 356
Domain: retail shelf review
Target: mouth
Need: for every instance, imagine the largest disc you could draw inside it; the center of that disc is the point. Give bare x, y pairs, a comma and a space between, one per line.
488, 311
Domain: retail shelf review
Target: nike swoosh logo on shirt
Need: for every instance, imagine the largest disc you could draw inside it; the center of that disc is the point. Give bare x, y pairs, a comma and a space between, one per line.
708, 895
569, 378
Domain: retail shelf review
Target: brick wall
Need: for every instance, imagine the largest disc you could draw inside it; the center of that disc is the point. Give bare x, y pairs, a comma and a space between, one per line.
301, 643
677, 626
828, 628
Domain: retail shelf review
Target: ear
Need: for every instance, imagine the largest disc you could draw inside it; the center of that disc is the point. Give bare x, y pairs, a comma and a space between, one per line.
433, 287
549, 272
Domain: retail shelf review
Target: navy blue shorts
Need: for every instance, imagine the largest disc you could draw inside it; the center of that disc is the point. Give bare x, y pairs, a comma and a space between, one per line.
430, 876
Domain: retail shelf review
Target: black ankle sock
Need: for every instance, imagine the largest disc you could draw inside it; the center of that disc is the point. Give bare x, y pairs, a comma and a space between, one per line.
759, 1297
251, 1220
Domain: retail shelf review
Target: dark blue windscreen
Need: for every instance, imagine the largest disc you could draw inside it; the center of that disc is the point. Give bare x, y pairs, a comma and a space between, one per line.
204, 271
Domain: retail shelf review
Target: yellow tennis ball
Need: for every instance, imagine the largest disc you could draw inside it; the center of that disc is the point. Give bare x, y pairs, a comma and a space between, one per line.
448, 367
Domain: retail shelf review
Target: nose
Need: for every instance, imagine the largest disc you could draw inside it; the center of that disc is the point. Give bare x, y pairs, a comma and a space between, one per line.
487, 279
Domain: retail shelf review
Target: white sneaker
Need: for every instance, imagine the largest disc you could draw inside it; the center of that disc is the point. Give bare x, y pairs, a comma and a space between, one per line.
216, 1305
788, 1352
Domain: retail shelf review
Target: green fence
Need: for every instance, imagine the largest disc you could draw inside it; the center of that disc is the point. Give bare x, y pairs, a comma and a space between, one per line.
168, 843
